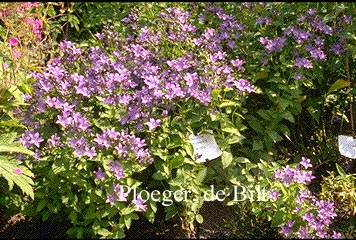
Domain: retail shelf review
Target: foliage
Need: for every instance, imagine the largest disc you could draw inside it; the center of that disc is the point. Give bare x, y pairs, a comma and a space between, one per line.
292, 206
11, 169
245, 224
111, 99
26, 37
340, 188
298, 104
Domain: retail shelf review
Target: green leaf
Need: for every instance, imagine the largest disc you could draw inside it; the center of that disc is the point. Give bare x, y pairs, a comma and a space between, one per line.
23, 180
227, 103
90, 213
201, 175
277, 219
177, 161
199, 218
264, 114
226, 159
8, 144
51, 11
128, 221
257, 145
41, 205
73, 216
231, 130
232, 139
340, 170
171, 211
242, 160
104, 232
288, 116
261, 75
340, 83
274, 135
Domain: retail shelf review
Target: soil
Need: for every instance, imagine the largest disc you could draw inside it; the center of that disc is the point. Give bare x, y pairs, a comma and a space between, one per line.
214, 213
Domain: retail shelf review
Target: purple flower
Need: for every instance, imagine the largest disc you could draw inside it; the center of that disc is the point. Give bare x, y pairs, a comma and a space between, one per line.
310, 218
82, 123
102, 141
303, 63
90, 152
30, 139
120, 193
111, 133
153, 123
111, 198
117, 170
244, 86
286, 176
53, 102
336, 235
20, 157
303, 177
305, 162
337, 48
286, 229
79, 151
65, 120
303, 233
263, 21
273, 194
99, 174
297, 209
37, 155
140, 204
54, 141
326, 210
121, 149
5, 65
273, 45
298, 76
300, 35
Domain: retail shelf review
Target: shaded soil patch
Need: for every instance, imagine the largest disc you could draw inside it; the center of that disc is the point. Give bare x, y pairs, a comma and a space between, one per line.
213, 227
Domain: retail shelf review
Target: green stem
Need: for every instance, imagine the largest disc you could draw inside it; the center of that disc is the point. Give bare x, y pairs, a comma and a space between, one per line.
347, 68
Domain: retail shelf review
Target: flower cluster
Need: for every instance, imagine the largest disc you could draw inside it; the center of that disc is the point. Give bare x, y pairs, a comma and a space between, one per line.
312, 38
317, 218
298, 175
150, 77
94, 102
315, 215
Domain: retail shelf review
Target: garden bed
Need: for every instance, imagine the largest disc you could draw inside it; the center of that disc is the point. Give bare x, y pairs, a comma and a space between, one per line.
214, 226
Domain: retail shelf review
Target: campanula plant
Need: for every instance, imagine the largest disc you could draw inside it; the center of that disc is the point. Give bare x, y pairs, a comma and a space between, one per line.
101, 119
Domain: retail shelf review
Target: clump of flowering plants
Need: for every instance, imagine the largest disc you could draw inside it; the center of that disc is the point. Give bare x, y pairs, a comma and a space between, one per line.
291, 205
117, 116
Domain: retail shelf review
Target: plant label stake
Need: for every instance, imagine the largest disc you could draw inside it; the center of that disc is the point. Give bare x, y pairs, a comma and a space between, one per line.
347, 146
205, 147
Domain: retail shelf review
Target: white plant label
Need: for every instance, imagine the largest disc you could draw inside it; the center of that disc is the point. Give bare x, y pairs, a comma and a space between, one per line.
347, 146
205, 147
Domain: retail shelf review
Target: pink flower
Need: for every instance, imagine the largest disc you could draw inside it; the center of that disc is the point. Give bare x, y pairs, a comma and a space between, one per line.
13, 41
17, 171
37, 25
16, 53
5, 65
